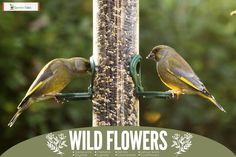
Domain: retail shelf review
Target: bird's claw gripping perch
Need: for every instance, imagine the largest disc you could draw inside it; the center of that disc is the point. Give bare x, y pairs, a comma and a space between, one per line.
174, 94
55, 97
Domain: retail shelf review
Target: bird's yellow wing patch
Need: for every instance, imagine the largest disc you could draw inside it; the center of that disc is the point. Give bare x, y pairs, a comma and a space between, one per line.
188, 82
172, 87
35, 88
185, 80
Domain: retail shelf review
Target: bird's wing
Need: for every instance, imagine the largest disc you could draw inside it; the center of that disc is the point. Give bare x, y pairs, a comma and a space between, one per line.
44, 75
184, 72
39, 81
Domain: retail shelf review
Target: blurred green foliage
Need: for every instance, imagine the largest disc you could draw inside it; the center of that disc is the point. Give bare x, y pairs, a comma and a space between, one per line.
201, 31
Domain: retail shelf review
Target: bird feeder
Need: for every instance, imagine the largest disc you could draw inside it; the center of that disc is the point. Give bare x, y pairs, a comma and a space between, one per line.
116, 69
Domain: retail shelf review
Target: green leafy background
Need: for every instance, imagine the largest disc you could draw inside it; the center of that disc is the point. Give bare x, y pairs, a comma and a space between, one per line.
202, 31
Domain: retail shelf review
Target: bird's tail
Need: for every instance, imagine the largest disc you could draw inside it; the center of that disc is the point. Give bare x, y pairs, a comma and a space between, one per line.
213, 100
23, 107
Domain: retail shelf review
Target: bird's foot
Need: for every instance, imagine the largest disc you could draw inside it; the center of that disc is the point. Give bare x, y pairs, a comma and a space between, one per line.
54, 96
174, 94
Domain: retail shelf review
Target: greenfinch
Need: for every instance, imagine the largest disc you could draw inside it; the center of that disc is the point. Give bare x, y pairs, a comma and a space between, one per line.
53, 78
177, 74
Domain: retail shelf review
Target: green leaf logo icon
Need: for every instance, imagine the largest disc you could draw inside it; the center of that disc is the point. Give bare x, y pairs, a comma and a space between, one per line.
12, 6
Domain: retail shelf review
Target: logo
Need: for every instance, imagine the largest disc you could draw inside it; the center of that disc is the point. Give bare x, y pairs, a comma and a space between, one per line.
56, 142
182, 143
20, 6
12, 6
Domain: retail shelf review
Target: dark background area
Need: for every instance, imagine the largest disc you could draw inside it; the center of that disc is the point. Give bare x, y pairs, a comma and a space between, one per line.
202, 31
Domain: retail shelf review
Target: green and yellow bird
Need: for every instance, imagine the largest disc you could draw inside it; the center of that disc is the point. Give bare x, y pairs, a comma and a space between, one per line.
177, 74
53, 78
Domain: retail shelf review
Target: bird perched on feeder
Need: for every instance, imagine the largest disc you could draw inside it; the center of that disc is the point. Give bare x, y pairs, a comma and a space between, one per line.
53, 78
177, 74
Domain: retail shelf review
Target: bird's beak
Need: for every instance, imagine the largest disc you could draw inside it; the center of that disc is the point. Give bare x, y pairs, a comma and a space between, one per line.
151, 56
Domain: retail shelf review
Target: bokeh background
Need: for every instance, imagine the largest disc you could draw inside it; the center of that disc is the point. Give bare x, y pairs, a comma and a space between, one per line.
202, 31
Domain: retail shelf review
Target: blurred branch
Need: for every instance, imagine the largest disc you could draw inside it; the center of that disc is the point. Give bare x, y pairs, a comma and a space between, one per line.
233, 13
